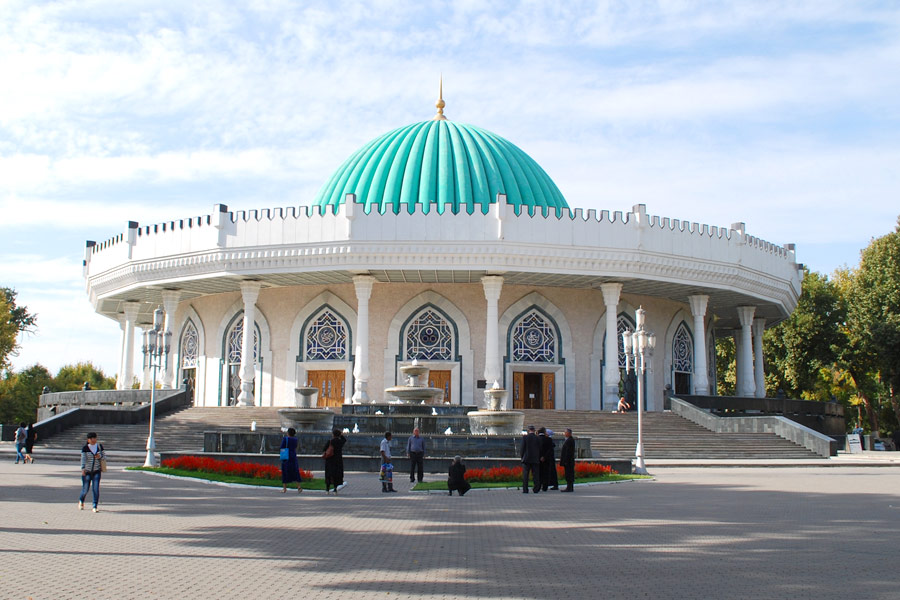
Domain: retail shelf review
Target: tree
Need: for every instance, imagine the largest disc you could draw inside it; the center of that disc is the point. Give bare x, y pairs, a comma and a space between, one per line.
808, 342
73, 377
19, 394
873, 317
14, 320
726, 377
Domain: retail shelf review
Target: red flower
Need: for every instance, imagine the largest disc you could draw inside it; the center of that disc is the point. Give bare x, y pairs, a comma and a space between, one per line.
206, 464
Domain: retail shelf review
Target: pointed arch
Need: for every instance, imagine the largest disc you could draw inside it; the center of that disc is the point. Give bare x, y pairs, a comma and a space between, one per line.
461, 359
190, 316
297, 363
565, 379
679, 325
263, 370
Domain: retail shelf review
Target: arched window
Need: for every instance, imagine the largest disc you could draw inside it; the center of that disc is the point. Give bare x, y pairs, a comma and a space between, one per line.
326, 337
189, 350
429, 336
623, 324
233, 339
534, 339
682, 359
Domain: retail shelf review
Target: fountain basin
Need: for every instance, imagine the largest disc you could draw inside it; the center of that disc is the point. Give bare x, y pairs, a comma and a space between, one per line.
416, 394
307, 419
496, 422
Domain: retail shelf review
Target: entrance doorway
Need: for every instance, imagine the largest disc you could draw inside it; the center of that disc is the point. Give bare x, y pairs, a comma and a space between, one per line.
682, 383
440, 379
534, 390
331, 386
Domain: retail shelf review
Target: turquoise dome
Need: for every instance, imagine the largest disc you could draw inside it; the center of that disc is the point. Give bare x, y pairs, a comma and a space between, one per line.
440, 165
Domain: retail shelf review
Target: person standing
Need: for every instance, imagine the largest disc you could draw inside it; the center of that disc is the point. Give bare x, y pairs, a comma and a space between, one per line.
456, 479
531, 460
333, 453
92, 459
567, 460
415, 452
30, 438
387, 469
549, 476
20, 442
290, 466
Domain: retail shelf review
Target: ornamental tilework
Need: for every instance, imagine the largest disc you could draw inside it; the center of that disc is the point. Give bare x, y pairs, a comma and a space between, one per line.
683, 351
534, 340
326, 338
189, 347
429, 337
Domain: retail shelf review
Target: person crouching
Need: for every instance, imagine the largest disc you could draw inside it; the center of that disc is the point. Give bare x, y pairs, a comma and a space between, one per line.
457, 477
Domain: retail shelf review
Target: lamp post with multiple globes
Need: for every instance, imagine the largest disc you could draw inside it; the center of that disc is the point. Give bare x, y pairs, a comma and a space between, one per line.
639, 346
156, 355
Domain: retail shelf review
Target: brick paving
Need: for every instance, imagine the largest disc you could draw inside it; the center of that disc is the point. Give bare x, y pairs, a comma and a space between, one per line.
800, 532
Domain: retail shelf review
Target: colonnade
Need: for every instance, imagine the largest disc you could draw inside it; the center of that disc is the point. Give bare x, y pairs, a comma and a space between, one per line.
748, 342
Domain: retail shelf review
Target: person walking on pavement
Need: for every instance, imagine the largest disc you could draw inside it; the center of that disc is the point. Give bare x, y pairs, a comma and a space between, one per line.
531, 460
20, 443
30, 438
92, 459
415, 452
387, 469
333, 453
567, 460
549, 478
290, 466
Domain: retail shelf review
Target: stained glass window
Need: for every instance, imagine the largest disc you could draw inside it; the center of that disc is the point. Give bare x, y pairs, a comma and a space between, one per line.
326, 338
189, 346
534, 339
429, 337
683, 351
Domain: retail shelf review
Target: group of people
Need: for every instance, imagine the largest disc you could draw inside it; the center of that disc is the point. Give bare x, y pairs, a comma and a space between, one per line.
25, 438
332, 453
538, 460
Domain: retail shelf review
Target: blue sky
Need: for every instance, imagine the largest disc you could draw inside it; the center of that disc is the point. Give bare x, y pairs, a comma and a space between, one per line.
781, 115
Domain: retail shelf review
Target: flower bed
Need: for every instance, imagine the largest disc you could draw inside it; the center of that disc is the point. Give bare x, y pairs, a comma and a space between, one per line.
204, 464
514, 474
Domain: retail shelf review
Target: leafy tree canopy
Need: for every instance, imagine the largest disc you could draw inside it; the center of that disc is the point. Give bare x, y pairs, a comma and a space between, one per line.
14, 319
72, 377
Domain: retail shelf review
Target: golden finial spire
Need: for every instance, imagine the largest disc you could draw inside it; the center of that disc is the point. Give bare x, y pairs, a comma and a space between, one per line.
440, 103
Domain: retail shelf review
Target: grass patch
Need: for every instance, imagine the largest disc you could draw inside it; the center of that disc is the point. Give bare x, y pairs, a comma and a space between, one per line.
308, 484
442, 485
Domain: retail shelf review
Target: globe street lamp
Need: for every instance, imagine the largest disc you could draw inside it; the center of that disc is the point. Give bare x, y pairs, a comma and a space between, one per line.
639, 347
156, 355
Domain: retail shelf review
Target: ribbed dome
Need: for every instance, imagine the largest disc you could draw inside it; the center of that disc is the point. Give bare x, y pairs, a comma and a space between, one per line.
441, 165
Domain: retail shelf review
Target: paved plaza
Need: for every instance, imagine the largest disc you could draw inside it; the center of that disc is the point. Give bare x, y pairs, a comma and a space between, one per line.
803, 532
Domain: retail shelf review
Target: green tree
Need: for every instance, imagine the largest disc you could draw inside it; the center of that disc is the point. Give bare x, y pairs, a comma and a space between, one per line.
726, 378
799, 349
873, 317
14, 320
72, 377
19, 393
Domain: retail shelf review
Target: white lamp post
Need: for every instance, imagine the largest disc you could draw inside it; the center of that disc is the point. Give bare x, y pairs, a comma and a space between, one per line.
156, 355
639, 347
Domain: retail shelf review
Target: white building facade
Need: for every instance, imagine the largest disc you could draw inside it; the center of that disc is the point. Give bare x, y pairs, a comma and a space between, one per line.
472, 264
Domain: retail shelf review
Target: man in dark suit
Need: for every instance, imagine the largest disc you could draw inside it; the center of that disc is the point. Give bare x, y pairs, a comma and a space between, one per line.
547, 460
531, 460
567, 460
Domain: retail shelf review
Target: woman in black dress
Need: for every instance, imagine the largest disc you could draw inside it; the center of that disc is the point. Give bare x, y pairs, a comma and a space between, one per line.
30, 437
290, 467
333, 453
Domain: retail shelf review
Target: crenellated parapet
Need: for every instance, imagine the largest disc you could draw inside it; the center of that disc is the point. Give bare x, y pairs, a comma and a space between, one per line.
564, 247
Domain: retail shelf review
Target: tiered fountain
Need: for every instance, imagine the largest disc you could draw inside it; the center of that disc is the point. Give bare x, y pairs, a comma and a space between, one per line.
305, 416
495, 420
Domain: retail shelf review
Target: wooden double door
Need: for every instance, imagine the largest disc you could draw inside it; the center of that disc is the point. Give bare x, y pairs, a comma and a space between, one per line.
331, 386
441, 379
534, 390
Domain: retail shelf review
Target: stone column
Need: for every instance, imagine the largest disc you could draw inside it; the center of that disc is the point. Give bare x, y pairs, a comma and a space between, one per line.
701, 376
611, 294
493, 285
748, 385
170, 305
759, 370
120, 376
363, 285
249, 293
145, 377
131, 313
